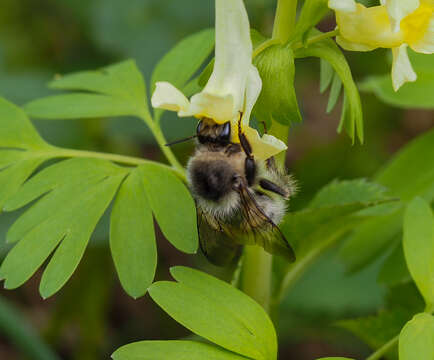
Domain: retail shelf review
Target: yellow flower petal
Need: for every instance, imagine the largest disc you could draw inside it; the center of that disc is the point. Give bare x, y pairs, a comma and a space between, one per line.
426, 44
369, 27
347, 45
402, 71
418, 27
168, 97
399, 9
263, 147
218, 108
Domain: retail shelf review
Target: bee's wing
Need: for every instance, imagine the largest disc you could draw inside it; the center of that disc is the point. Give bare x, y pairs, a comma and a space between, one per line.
215, 242
260, 229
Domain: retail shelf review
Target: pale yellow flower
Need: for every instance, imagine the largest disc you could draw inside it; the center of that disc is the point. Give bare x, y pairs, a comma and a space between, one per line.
395, 24
233, 87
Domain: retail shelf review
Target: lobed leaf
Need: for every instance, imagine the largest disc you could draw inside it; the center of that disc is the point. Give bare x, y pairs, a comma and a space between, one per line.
216, 311
71, 171
417, 338
178, 223
410, 173
132, 237
76, 106
394, 270
348, 191
184, 59
16, 131
377, 330
419, 246
40, 230
173, 349
416, 94
116, 90
15, 175
327, 50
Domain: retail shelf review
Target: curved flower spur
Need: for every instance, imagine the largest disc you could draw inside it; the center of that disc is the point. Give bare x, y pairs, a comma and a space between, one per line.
239, 191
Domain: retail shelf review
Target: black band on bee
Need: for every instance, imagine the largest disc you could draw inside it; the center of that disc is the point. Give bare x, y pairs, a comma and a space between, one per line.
271, 186
250, 170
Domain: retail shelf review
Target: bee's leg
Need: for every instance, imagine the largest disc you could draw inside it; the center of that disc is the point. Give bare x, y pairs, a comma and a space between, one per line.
271, 186
250, 164
265, 126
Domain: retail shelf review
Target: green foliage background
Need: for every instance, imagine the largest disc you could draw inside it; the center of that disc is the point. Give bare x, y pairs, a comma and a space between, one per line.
92, 316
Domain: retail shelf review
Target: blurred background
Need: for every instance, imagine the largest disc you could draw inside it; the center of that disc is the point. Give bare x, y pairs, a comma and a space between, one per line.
92, 316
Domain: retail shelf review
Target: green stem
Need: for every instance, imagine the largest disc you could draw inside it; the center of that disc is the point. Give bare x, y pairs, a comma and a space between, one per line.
256, 278
265, 45
284, 21
161, 141
315, 39
121, 159
384, 349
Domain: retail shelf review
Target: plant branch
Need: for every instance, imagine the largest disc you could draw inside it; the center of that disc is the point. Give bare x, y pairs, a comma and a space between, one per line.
256, 278
161, 141
121, 159
384, 349
284, 21
315, 39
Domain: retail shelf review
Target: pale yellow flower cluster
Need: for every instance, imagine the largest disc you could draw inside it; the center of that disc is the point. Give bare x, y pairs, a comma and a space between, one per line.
395, 24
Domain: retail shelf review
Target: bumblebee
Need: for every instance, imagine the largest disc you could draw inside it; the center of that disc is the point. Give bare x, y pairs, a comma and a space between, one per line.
240, 200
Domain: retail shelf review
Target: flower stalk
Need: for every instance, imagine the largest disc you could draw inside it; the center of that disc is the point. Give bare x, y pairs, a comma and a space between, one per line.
284, 21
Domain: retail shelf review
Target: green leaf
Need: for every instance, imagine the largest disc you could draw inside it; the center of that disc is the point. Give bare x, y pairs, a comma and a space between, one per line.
348, 191
325, 75
335, 358
218, 312
333, 212
335, 91
173, 349
410, 173
76, 106
172, 205
67, 215
416, 94
417, 338
311, 13
17, 330
329, 51
411, 95
16, 131
118, 90
419, 246
78, 170
377, 330
132, 238
184, 59
182, 62
277, 100
394, 270
12, 177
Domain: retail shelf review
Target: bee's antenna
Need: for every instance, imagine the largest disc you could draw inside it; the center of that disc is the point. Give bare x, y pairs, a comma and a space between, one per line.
181, 140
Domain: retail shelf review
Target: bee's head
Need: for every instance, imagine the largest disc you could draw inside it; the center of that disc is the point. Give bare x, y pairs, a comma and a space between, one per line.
208, 132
